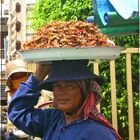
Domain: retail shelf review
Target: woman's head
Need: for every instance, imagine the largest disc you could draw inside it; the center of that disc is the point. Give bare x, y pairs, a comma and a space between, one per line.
70, 81
70, 95
16, 72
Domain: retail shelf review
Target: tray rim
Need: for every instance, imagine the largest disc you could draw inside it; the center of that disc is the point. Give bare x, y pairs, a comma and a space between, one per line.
61, 51
83, 47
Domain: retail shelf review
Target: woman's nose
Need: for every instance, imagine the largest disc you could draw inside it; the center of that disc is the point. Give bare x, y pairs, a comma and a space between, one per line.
61, 90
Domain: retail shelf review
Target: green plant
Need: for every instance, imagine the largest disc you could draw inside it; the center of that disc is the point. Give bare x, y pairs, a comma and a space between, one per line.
60, 10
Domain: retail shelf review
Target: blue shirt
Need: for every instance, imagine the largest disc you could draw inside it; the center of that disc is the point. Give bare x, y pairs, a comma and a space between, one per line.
49, 124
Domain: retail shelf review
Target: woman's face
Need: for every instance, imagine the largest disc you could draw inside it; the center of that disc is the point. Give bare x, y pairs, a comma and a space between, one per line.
67, 96
15, 80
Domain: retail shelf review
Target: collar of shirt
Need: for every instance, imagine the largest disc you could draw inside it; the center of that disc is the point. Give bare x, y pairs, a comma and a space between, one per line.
63, 124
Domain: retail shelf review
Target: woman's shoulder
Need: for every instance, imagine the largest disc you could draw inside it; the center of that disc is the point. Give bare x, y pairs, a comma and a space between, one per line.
95, 124
100, 131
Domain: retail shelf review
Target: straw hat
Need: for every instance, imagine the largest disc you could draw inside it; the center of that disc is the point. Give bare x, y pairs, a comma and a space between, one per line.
15, 66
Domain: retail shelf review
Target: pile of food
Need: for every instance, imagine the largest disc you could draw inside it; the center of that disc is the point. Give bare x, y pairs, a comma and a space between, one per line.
67, 35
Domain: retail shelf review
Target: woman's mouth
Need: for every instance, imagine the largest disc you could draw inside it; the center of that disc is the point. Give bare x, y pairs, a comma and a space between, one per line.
63, 100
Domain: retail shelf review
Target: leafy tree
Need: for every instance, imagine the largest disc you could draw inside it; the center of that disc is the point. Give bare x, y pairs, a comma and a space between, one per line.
60, 10
66, 10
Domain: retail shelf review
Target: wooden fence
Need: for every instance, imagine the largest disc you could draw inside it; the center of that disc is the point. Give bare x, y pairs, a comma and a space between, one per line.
128, 52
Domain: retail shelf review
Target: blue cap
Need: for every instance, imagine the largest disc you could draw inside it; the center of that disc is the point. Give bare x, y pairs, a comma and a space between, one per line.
69, 70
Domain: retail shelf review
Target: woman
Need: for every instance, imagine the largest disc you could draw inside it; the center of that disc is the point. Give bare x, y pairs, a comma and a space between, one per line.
76, 93
16, 72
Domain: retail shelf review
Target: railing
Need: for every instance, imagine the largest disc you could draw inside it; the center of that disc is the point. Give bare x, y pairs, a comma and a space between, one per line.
128, 52
2, 53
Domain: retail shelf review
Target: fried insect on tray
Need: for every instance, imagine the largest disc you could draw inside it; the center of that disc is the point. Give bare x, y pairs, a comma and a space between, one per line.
66, 35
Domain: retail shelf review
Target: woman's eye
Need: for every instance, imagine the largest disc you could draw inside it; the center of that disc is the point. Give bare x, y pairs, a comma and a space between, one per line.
67, 85
70, 85
55, 85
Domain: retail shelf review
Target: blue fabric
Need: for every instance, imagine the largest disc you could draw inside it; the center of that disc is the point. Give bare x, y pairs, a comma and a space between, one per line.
69, 70
49, 123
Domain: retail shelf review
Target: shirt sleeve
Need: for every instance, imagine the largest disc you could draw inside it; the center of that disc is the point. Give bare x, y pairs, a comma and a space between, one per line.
21, 111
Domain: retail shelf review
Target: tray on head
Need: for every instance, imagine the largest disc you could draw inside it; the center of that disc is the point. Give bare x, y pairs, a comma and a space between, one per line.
51, 54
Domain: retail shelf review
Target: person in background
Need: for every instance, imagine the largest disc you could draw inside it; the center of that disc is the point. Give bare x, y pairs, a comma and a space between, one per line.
76, 93
16, 72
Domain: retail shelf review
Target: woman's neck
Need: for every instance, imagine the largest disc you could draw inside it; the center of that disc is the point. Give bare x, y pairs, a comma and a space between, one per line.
70, 117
